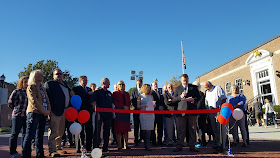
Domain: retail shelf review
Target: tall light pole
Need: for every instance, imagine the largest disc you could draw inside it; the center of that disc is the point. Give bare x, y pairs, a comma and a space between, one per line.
2, 79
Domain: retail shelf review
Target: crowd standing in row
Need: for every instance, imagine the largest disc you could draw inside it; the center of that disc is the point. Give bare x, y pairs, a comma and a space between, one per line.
33, 104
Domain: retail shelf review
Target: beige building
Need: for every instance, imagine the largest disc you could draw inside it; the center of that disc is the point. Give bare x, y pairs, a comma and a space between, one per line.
256, 72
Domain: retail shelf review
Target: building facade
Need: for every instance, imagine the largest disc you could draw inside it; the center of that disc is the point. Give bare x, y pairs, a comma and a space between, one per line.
256, 72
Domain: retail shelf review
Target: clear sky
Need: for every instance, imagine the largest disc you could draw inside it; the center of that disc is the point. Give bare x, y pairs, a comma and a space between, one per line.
108, 38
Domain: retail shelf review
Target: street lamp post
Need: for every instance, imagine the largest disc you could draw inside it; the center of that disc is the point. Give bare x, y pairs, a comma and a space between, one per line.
2, 79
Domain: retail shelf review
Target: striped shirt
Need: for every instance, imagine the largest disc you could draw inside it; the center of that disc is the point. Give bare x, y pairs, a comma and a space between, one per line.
18, 102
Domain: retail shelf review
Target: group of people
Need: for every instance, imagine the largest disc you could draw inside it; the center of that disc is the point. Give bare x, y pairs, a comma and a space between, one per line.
34, 103
261, 115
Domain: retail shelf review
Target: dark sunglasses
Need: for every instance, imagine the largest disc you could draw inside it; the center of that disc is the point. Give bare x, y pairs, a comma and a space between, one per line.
59, 74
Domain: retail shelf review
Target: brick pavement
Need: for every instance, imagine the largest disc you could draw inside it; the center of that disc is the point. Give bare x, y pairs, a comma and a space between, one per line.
258, 148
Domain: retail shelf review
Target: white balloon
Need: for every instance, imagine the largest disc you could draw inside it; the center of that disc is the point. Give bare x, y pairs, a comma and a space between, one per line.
237, 114
96, 153
75, 128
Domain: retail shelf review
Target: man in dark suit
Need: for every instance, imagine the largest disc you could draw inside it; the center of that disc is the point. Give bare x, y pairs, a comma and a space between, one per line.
187, 96
158, 117
133, 97
170, 118
87, 129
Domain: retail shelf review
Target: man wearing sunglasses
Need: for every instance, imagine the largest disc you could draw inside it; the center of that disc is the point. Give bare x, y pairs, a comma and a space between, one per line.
59, 95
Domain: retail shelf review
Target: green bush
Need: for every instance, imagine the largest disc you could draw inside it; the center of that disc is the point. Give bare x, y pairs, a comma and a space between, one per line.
276, 108
5, 129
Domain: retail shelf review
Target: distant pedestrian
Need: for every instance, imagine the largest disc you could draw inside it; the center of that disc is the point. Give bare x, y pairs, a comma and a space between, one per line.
18, 103
257, 108
269, 112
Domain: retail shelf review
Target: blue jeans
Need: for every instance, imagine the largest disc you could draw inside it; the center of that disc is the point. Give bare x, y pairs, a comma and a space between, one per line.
270, 115
18, 122
35, 126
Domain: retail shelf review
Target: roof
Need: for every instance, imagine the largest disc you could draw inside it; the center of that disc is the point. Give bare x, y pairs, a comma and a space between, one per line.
271, 39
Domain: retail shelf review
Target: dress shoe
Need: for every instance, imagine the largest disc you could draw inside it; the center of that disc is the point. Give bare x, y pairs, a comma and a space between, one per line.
194, 150
105, 150
61, 152
169, 145
160, 143
244, 145
54, 154
177, 149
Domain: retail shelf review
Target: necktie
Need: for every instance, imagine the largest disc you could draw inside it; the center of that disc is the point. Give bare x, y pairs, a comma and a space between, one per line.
157, 94
85, 88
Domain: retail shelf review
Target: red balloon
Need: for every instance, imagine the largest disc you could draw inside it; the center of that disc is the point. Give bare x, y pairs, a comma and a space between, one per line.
228, 105
71, 114
222, 120
83, 116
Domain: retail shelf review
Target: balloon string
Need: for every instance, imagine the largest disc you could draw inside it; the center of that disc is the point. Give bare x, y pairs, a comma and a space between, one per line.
228, 129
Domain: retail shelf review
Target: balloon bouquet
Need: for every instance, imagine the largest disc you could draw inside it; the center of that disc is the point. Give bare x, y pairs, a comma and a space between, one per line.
223, 118
71, 114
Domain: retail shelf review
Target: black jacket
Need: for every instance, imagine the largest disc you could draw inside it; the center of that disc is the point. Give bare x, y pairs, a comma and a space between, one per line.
159, 100
169, 102
86, 98
56, 96
192, 92
133, 97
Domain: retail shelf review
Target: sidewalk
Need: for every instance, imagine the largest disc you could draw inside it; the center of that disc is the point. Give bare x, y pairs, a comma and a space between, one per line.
264, 143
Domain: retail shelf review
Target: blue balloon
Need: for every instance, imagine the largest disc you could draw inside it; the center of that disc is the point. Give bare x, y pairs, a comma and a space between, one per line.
226, 112
76, 102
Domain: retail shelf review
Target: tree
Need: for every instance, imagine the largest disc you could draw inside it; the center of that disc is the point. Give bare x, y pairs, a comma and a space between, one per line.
130, 89
47, 69
175, 81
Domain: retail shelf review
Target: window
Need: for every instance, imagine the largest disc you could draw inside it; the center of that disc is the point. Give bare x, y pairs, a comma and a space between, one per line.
238, 82
227, 88
262, 74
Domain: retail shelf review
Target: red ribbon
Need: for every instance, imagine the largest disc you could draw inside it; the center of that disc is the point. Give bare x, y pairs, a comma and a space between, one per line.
158, 111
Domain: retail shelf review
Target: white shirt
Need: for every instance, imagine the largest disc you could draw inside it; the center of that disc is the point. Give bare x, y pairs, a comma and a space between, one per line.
186, 88
269, 108
214, 97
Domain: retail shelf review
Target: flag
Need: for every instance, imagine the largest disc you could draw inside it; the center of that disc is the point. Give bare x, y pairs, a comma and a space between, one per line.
184, 60
183, 56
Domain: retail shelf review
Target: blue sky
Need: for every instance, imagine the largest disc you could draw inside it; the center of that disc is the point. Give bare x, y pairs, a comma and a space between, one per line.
109, 38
